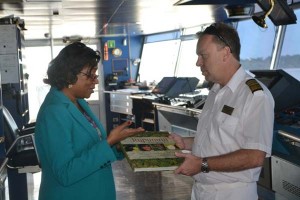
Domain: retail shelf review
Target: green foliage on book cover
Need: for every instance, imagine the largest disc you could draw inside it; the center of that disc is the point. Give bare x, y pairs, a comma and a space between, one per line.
152, 134
152, 164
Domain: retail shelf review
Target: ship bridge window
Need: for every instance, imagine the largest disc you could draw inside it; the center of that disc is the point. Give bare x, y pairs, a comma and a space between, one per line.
290, 53
256, 44
158, 60
186, 64
37, 69
171, 56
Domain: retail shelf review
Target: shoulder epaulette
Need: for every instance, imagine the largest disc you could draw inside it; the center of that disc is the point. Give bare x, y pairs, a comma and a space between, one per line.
253, 85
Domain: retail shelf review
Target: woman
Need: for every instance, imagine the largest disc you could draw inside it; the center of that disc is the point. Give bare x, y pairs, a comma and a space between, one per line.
74, 150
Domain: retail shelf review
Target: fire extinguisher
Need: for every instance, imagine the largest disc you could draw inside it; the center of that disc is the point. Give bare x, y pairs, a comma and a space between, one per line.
105, 51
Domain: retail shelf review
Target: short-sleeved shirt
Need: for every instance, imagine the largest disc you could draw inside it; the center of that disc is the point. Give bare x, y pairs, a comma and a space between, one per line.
237, 116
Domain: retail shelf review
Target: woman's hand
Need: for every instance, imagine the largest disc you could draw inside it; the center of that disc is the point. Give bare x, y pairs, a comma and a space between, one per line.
121, 132
178, 140
185, 143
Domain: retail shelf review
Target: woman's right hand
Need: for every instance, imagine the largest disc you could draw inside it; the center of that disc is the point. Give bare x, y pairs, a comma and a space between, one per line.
121, 132
178, 140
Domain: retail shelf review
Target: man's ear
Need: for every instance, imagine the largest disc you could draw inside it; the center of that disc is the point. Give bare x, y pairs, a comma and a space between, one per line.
227, 53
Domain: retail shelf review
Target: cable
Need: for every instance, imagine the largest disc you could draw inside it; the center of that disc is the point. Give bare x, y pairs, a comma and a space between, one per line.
105, 25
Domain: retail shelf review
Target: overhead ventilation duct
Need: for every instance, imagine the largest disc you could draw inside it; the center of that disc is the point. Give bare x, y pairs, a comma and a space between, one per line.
71, 39
234, 9
11, 1
43, 1
211, 2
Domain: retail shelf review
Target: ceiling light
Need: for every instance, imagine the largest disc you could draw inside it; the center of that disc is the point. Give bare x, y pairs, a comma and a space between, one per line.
239, 11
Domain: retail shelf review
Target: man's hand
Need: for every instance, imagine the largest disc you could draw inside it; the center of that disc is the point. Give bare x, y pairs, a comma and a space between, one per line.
190, 166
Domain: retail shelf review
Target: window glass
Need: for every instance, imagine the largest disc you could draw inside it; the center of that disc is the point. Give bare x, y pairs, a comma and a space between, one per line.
158, 60
256, 44
159, 37
37, 69
186, 66
290, 53
193, 30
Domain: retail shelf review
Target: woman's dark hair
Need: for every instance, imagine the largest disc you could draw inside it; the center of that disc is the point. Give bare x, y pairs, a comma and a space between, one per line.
62, 70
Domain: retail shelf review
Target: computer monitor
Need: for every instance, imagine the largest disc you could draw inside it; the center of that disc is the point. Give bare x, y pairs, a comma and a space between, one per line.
164, 85
283, 84
172, 87
182, 85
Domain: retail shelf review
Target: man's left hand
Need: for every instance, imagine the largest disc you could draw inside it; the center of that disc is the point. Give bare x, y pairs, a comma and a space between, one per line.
190, 166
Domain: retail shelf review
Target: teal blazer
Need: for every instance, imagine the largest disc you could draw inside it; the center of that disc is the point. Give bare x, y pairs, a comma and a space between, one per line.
75, 161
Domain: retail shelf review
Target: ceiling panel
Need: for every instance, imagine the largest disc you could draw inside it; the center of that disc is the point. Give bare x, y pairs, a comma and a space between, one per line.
98, 18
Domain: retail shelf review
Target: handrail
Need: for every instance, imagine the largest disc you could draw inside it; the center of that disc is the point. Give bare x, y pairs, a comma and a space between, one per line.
289, 135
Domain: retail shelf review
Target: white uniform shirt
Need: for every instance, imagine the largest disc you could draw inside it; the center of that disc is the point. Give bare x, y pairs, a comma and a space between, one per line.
234, 118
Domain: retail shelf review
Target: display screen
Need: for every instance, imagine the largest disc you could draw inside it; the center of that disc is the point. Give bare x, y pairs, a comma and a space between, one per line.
164, 85
172, 86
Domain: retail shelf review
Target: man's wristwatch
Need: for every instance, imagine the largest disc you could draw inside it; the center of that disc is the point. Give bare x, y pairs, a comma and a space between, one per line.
204, 166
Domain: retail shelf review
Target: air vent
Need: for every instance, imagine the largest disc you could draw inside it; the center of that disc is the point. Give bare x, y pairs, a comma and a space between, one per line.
44, 1
10, 1
291, 188
239, 11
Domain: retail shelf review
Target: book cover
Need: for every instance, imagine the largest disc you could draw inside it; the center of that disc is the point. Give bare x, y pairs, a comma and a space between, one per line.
151, 151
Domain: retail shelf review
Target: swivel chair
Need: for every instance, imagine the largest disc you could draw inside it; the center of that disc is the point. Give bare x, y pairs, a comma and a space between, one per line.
20, 146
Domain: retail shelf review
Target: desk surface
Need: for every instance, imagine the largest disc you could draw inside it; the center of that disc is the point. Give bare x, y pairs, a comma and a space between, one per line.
129, 91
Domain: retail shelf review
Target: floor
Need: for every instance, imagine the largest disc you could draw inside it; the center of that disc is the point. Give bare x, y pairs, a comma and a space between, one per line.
143, 185
150, 185
134, 185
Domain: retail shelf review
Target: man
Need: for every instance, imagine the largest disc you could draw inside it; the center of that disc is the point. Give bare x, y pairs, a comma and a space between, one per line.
235, 129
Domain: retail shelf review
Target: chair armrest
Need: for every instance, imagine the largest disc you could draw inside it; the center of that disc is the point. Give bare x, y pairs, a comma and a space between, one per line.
22, 152
32, 124
20, 143
26, 131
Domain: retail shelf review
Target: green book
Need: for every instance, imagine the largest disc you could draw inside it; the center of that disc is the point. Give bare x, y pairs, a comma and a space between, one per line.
151, 151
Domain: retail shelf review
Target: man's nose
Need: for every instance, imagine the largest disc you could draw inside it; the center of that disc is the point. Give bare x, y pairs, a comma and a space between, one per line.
199, 62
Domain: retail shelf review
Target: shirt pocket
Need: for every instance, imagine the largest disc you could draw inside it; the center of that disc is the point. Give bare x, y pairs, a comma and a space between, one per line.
226, 127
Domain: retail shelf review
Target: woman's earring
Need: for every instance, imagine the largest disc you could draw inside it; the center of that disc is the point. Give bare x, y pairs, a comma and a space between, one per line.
70, 86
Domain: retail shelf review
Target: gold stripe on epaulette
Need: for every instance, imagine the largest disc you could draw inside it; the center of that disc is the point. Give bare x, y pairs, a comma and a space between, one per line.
253, 85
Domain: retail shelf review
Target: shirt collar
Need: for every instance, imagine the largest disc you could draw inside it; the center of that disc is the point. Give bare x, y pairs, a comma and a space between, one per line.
236, 79
233, 83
